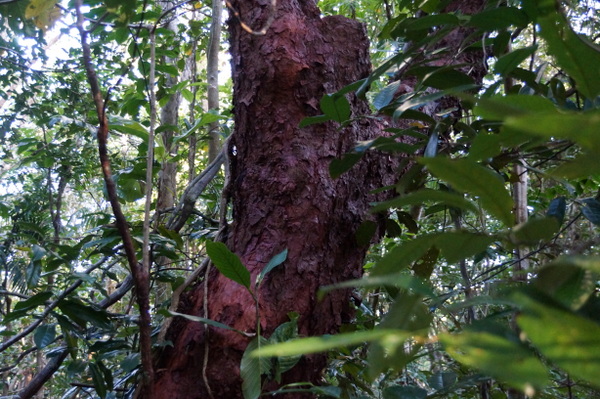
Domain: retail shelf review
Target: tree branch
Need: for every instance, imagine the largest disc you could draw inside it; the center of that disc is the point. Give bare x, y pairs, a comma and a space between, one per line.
141, 276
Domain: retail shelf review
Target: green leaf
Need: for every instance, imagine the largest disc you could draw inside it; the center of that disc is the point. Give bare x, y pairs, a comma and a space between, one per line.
403, 255
273, 263
491, 353
404, 392
386, 95
470, 177
129, 127
252, 367
339, 166
458, 245
535, 230
33, 301
98, 380
336, 107
508, 62
569, 285
398, 280
285, 332
591, 210
81, 313
501, 107
44, 335
566, 339
581, 128
557, 209
574, 53
365, 232
484, 147
203, 320
228, 263
304, 346
426, 195
312, 120
498, 18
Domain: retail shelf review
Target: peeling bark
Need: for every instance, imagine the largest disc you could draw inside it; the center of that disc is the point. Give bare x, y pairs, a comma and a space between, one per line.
282, 193
283, 196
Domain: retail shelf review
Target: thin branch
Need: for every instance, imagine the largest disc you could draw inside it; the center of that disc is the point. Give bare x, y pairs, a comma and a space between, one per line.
52, 366
139, 272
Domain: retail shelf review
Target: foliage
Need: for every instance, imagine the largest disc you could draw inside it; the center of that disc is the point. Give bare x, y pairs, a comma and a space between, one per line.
445, 312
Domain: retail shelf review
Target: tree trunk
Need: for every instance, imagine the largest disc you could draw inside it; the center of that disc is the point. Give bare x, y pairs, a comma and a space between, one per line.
282, 195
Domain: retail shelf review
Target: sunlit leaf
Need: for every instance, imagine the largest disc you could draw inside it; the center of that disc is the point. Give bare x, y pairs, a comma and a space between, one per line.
491, 353
469, 177
566, 339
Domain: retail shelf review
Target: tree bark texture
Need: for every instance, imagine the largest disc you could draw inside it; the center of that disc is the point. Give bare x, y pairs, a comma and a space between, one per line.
283, 196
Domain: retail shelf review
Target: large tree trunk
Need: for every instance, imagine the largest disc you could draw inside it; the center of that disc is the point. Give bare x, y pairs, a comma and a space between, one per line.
282, 195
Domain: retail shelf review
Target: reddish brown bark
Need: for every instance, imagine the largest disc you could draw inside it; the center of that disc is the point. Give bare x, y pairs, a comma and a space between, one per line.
282, 194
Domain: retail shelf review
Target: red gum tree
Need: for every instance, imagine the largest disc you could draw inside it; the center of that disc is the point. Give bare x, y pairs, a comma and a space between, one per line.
283, 196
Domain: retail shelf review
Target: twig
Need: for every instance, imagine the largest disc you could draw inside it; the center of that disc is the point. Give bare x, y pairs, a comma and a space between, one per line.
140, 274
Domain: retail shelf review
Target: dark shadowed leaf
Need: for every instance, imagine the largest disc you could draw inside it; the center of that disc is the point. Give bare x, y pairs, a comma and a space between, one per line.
499, 18
508, 62
44, 335
338, 166
557, 209
404, 392
591, 210
491, 352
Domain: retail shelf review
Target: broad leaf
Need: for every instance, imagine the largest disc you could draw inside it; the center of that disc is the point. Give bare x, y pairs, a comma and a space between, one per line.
252, 368
304, 346
273, 263
566, 339
494, 354
470, 177
44, 335
228, 263
426, 195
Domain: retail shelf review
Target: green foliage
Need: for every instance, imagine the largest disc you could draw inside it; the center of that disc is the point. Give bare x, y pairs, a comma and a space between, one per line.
442, 296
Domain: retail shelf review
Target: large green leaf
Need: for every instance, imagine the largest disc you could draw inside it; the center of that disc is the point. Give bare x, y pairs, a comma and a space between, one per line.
33, 301
581, 128
228, 263
336, 107
252, 367
81, 313
44, 335
303, 346
505, 359
496, 18
566, 339
574, 53
508, 62
470, 177
203, 320
458, 245
426, 195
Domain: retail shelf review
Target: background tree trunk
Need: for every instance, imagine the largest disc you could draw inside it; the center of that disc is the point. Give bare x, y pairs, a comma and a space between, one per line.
282, 195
